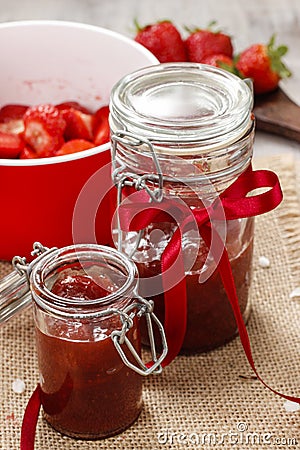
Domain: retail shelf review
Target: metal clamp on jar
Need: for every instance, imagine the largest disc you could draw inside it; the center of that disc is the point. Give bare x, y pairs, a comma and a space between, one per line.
15, 293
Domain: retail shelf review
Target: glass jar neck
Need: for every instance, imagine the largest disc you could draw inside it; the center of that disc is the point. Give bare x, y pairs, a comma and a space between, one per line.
206, 172
97, 262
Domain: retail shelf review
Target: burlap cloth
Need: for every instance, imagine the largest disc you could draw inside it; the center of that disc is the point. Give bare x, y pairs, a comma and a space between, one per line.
206, 401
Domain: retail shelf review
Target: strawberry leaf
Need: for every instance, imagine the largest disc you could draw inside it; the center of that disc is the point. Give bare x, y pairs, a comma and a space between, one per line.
191, 30
212, 27
275, 55
230, 68
282, 50
137, 25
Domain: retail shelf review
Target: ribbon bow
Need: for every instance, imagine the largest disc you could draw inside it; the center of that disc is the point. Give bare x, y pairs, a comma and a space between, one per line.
233, 203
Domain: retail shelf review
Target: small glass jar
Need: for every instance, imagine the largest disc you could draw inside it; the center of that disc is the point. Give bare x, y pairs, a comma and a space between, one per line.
186, 131
85, 309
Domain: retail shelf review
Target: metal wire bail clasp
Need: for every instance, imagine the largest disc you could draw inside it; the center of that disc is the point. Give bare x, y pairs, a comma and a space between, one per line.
140, 308
15, 292
122, 177
127, 178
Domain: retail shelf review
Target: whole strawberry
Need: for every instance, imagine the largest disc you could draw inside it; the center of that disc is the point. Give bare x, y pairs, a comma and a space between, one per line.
43, 129
263, 64
219, 60
163, 40
202, 43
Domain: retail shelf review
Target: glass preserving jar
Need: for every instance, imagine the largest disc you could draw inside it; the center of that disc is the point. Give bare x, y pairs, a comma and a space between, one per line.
87, 318
185, 132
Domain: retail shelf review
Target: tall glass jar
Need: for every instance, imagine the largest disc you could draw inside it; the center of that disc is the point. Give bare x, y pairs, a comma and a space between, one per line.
84, 300
186, 131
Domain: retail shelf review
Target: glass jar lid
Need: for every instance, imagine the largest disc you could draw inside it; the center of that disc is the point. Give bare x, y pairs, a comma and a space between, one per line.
181, 104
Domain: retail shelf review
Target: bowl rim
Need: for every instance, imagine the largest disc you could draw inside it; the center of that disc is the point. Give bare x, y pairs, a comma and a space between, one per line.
75, 25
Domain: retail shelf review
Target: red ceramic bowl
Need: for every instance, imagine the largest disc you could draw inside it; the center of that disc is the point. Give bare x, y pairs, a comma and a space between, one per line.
59, 200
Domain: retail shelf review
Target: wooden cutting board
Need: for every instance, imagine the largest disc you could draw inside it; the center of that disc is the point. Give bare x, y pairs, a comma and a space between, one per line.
276, 113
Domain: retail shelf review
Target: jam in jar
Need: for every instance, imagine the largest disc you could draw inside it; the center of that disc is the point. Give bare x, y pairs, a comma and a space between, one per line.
185, 132
210, 320
83, 295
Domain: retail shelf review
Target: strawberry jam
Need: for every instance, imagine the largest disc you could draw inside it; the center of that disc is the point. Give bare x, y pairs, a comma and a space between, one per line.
78, 286
87, 391
210, 319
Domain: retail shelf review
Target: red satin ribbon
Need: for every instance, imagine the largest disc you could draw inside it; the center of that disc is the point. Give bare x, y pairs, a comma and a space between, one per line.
30, 420
235, 204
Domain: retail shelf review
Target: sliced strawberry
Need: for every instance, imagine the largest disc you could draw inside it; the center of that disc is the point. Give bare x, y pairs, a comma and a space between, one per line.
28, 153
11, 145
11, 118
101, 129
44, 128
72, 104
78, 124
102, 135
100, 115
14, 126
74, 146
12, 112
